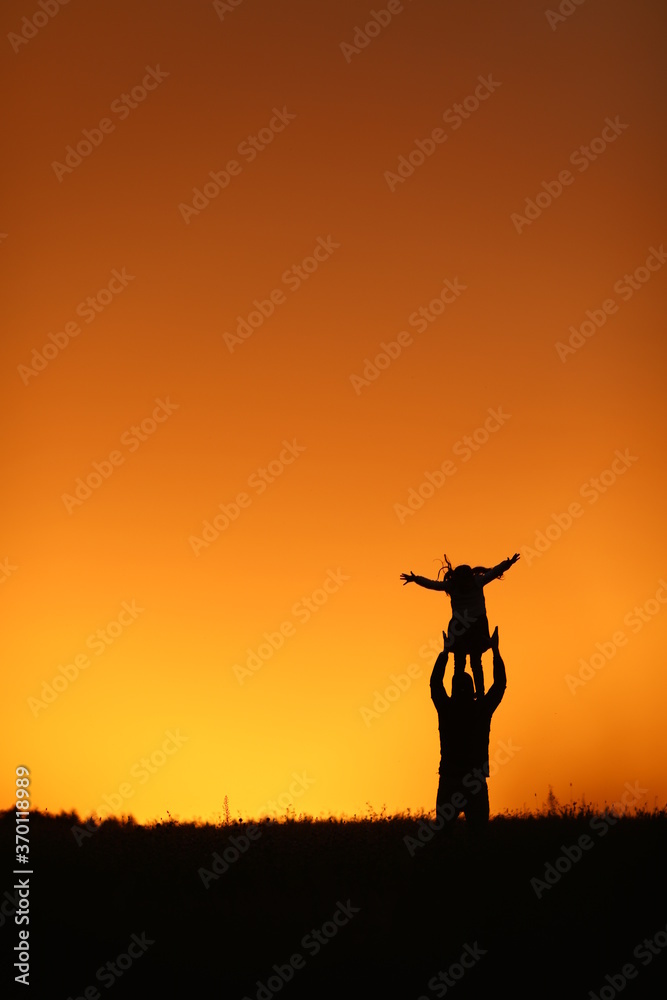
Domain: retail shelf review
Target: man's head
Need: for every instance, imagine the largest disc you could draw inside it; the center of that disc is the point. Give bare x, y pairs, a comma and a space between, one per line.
463, 689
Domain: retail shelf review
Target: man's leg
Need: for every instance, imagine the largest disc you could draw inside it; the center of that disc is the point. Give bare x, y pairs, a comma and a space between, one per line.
445, 812
477, 810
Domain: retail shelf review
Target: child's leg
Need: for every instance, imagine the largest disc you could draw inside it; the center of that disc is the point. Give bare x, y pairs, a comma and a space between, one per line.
484, 636
459, 662
454, 647
477, 673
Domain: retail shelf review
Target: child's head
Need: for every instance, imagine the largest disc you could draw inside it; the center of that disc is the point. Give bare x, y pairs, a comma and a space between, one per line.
461, 577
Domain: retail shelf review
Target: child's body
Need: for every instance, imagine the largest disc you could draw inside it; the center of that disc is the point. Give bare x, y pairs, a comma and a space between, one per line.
468, 629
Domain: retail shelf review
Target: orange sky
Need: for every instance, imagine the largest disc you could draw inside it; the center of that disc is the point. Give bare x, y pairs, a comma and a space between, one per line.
453, 194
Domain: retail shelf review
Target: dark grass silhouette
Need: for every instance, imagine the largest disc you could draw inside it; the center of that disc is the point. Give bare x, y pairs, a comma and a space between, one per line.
418, 908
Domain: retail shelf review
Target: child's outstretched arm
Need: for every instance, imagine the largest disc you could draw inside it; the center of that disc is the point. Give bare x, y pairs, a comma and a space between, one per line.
493, 574
424, 582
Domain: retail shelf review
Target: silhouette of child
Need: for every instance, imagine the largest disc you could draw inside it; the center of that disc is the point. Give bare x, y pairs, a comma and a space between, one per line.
468, 629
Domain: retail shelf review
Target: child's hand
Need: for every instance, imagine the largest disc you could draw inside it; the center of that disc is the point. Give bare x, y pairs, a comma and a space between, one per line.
514, 558
408, 578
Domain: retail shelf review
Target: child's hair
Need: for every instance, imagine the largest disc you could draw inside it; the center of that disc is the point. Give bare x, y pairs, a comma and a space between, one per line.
462, 575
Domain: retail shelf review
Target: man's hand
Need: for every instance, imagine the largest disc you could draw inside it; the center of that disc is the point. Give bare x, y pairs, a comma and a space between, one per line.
447, 643
438, 692
408, 577
495, 693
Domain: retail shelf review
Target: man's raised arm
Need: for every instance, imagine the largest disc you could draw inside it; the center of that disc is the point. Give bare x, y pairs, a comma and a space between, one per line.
497, 690
438, 693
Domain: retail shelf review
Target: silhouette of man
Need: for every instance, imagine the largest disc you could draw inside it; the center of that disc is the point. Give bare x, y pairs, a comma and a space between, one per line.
464, 723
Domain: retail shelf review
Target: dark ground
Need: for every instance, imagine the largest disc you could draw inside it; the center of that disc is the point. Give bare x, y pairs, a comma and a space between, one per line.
404, 919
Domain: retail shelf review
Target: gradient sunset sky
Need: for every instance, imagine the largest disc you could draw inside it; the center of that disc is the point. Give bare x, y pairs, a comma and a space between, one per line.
421, 310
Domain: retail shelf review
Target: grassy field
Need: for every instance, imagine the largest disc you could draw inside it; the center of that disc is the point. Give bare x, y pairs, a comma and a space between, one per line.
560, 904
